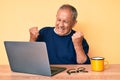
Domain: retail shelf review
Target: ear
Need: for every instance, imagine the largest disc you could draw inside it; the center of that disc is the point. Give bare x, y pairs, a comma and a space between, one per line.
74, 23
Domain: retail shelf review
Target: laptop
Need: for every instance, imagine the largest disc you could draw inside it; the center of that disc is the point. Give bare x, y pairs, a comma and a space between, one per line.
30, 57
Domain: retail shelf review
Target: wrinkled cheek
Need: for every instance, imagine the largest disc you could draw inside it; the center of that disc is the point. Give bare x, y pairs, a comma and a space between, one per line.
56, 24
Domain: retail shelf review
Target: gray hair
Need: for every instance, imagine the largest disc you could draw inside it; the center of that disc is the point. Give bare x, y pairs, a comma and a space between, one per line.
70, 7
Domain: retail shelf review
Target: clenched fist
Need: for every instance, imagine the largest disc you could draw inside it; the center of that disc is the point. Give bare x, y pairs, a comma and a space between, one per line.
77, 38
33, 33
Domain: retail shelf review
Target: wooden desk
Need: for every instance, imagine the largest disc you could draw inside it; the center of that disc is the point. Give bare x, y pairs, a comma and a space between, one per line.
112, 73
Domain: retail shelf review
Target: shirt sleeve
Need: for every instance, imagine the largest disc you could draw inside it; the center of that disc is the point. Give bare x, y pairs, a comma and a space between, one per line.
86, 49
41, 34
87, 61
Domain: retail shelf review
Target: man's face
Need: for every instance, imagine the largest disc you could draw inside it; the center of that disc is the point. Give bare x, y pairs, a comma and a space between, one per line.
64, 22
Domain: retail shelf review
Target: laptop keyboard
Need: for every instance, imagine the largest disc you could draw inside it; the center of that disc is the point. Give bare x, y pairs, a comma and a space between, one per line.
55, 70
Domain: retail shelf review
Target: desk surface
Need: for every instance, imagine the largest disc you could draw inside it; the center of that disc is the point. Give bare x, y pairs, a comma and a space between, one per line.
112, 73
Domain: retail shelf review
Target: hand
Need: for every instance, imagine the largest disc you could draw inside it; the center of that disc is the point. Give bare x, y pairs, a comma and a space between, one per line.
77, 42
77, 38
33, 33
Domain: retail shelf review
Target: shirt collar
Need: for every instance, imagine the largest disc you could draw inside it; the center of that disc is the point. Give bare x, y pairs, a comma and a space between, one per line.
65, 34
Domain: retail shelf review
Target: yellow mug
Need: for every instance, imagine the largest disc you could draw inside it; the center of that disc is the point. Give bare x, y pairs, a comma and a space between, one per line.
98, 63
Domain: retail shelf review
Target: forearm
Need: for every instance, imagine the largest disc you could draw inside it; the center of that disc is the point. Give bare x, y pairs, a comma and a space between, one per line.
32, 40
80, 54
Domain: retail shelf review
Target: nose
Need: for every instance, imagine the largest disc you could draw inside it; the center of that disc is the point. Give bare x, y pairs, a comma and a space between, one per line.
61, 24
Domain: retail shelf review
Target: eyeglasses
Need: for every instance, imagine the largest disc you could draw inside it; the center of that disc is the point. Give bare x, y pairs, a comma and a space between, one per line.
78, 70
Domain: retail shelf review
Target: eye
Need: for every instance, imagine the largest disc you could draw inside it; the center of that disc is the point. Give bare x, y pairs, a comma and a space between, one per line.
65, 21
58, 19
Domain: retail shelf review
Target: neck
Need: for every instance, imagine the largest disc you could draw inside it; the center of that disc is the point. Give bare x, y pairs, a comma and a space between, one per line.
65, 34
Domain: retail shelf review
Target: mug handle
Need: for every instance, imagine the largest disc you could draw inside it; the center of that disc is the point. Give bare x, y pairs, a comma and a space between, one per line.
106, 64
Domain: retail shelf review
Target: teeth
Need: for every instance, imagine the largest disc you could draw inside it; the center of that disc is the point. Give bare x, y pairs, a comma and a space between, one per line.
61, 28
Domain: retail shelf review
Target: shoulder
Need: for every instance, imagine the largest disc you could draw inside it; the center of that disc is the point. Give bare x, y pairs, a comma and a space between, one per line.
73, 31
46, 29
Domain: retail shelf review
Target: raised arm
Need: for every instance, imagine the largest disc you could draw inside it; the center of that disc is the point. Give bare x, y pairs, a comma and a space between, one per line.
77, 42
33, 34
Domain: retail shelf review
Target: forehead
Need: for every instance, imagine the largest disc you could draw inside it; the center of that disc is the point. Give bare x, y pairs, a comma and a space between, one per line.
64, 13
